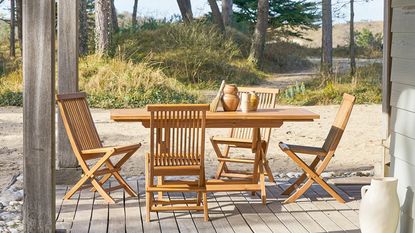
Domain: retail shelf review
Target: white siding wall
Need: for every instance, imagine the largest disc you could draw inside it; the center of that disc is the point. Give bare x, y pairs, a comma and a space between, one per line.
402, 101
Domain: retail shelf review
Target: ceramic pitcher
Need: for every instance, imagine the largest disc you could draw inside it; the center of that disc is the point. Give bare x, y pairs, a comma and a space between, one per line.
379, 208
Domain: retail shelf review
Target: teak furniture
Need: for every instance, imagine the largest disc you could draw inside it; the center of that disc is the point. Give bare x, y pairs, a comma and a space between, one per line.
263, 118
87, 146
324, 154
244, 138
177, 148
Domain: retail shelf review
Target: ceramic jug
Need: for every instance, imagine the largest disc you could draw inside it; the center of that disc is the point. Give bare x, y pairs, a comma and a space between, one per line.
230, 99
379, 208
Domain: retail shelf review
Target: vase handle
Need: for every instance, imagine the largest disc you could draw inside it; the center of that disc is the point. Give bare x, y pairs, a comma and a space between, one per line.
364, 190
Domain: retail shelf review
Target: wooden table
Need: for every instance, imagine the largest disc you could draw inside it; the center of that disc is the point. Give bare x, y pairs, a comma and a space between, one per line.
263, 118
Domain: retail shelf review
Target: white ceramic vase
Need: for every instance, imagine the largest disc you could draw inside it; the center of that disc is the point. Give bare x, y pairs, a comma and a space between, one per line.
379, 208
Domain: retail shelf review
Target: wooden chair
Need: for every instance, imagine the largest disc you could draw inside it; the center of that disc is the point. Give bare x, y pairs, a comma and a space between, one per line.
177, 147
324, 154
87, 146
244, 138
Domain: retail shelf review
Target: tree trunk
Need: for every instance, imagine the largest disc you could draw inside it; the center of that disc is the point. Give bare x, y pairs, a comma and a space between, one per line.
19, 8
12, 29
227, 11
327, 38
134, 19
258, 40
352, 42
83, 28
186, 10
102, 26
217, 17
114, 17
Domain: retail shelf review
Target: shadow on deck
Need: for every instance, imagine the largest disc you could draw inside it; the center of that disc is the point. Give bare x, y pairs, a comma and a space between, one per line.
237, 212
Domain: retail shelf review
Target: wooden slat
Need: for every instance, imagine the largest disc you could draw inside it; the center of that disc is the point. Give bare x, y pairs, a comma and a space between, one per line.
99, 220
116, 218
217, 217
183, 218
232, 213
84, 212
403, 45
402, 3
154, 225
255, 222
60, 192
67, 213
403, 20
133, 221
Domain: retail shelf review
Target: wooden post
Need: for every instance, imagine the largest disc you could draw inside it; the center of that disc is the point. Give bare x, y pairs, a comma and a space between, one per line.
386, 86
39, 115
68, 53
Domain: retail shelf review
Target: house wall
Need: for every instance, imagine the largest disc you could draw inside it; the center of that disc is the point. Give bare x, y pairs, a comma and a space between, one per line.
402, 107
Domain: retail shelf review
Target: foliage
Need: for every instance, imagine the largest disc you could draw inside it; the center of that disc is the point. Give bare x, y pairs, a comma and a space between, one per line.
117, 83
196, 53
366, 86
112, 83
289, 17
370, 42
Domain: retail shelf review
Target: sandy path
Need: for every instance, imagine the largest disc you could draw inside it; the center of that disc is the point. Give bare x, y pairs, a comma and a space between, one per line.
359, 149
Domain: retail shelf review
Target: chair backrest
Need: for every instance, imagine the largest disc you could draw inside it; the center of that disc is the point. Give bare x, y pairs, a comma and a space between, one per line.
267, 100
340, 122
177, 134
78, 122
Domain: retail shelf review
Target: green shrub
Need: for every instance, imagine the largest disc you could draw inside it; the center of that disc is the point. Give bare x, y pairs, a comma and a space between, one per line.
195, 53
366, 86
115, 83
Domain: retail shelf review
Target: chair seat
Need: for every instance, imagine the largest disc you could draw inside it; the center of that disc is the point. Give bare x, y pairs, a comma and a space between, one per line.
239, 142
303, 149
165, 159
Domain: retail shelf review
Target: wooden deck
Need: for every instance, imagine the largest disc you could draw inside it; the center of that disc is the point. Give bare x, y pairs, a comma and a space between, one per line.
228, 212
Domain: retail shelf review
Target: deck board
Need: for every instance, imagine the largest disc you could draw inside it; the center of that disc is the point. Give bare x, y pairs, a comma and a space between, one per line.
233, 212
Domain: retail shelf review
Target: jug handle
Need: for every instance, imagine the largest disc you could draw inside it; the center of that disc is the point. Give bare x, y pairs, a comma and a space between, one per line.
364, 190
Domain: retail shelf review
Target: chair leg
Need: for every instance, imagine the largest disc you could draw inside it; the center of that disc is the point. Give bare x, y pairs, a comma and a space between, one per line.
222, 165
125, 185
199, 199
329, 189
102, 192
262, 183
148, 206
300, 180
205, 207
300, 191
160, 180
269, 172
76, 187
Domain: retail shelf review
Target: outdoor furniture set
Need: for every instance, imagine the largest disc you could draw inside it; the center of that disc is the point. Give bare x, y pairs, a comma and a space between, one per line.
177, 148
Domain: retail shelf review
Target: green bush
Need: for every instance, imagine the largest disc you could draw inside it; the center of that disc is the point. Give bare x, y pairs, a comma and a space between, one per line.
366, 86
196, 54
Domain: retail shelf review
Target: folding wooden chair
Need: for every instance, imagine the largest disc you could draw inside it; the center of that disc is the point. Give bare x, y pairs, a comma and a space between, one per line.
87, 145
324, 154
244, 138
177, 147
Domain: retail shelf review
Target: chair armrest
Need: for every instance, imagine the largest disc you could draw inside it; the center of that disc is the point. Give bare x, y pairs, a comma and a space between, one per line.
303, 149
116, 149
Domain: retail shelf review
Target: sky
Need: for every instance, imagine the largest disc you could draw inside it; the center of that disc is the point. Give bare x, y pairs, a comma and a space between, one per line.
365, 10
371, 10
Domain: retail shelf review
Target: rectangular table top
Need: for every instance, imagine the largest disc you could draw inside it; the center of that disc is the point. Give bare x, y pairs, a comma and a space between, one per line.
261, 118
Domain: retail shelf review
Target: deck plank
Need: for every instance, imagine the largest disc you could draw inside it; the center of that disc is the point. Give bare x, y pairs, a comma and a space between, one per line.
82, 218
218, 217
154, 225
132, 211
67, 213
237, 212
232, 213
253, 219
99, 220
116, 213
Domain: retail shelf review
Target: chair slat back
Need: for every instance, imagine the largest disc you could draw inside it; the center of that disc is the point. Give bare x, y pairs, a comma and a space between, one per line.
78, 121
339, 125
267, 100
177, 134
